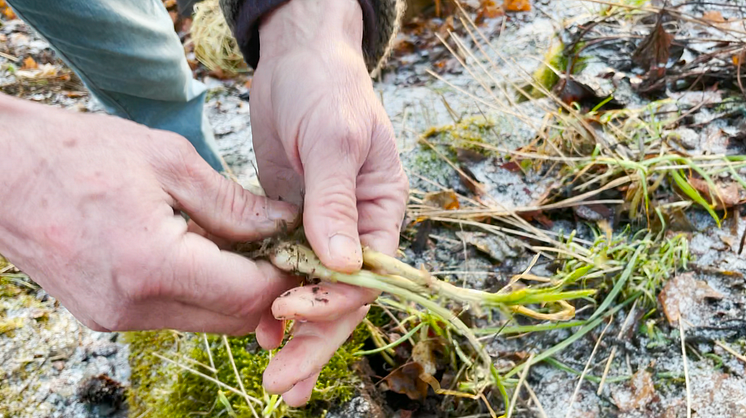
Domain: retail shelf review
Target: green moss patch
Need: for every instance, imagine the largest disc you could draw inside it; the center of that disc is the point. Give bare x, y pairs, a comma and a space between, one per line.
468, 134
161, 389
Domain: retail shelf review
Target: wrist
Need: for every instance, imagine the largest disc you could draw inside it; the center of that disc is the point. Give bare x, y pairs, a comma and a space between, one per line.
10, 115
17, 150
312, 25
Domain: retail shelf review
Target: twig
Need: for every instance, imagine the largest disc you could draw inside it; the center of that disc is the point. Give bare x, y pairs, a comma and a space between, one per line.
238, 375
209, 351
9, 57
204, 376
686, 371
534, 398
730, 351
585, 370
613, 350
521, 380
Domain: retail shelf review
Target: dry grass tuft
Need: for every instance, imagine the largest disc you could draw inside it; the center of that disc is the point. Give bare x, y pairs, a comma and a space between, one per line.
214, 44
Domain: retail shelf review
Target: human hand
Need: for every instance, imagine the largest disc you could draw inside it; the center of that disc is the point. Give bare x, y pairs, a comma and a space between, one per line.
89, 211
322, 139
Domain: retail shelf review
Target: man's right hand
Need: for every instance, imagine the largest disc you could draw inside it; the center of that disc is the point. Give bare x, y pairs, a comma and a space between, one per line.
89, 209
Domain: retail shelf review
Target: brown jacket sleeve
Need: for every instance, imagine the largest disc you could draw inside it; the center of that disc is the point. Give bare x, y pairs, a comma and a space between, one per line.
381, 21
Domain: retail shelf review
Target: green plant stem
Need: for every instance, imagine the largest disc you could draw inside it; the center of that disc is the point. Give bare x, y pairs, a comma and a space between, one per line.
578, 335
393, 344
523, 329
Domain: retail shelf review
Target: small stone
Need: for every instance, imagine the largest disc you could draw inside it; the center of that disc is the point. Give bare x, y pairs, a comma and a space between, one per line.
103, 392
688, 138
104, 350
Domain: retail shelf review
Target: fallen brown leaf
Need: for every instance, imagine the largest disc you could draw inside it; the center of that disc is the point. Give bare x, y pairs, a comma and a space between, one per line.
422, 238
512, 166
654, 50
683, 297
446, 27
517, 5
465, 156
641, 391
727, 195
447, 200
406, 380
571, 91
538, 216
6, 10
593, 212
423, 353
29, 64
468, 179
490, 10
714, 16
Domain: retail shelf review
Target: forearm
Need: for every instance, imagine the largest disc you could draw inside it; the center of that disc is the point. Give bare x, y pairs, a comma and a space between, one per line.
14, 149
17, 176
311, 25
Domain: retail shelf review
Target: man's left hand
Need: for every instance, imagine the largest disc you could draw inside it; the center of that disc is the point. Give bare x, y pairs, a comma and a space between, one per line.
323, 139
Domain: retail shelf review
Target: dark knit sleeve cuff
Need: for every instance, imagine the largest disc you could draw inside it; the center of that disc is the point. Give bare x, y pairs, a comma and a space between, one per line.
244, 16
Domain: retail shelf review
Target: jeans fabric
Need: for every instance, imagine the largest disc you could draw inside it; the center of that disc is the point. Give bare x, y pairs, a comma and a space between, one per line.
131, 59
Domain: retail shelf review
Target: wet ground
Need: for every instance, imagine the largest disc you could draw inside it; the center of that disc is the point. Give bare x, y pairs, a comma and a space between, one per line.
45, 362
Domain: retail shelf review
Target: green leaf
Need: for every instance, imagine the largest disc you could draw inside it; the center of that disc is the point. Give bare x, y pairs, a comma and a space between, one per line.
226, 404
693, 194
578, 335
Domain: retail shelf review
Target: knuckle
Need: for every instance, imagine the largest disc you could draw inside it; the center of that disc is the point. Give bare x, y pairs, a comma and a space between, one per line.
337, 199
240, 204
401, 186
349, 138
229, 198
353, 141
172, 153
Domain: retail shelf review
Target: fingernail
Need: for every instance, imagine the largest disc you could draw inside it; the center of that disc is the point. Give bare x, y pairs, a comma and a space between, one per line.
282, 212
345, 248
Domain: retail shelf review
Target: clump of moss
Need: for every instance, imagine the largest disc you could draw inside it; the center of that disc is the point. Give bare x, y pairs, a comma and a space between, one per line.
164, 390
546, 75
425, 162
467, 134
443, 144
17, 295
557, 60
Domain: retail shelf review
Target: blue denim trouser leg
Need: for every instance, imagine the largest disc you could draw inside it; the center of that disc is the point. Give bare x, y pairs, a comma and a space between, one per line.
128, 55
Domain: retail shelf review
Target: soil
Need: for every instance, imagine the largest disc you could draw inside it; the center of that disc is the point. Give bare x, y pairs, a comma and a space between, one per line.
47, 364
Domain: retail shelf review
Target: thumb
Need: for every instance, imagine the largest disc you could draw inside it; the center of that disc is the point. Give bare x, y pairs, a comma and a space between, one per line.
330, 212
220, 206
